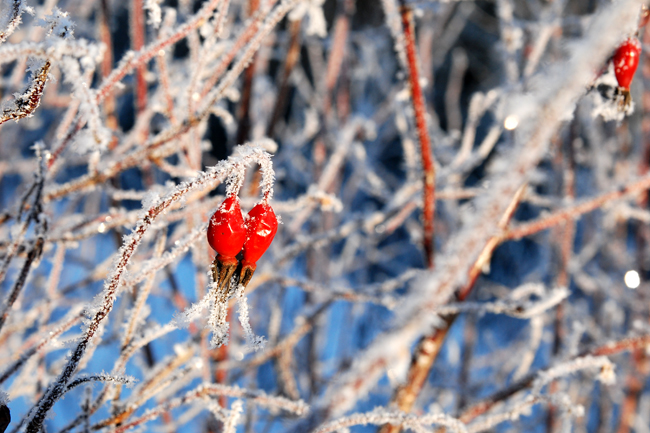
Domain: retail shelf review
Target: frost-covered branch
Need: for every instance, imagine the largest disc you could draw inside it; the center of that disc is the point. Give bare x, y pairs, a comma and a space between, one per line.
380, 416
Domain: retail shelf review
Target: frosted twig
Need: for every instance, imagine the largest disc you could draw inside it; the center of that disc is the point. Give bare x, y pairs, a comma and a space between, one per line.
36, 249
126, 380
143, 294
235, 412
55, 331
256, 397
600, 363
239, 44
51, 50
155, 264
590, 359
272, 19
511, 415
253, 342
522, 310
14, 19
26, 103
381, 416
366, 294
574, 211
132, 60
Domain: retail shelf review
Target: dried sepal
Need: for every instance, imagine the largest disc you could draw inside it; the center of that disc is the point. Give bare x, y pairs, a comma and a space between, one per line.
26, 103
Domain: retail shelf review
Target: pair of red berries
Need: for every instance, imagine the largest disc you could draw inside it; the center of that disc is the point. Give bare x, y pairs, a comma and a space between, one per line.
229, 235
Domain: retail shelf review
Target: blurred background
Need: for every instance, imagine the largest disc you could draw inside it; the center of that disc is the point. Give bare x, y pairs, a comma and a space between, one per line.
509, 296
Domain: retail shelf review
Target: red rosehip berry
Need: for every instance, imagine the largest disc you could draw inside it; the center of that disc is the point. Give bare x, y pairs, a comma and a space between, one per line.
261, 227
626, 60
226, 235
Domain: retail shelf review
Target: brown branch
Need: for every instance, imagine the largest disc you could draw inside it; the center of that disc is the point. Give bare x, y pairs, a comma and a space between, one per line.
293, 54
337, 54
635, 383
137, 28
429, 346
575, 211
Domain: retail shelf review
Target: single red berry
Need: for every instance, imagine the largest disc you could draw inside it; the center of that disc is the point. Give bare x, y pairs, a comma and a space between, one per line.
261, 227
226, 232
226, 235
626, 60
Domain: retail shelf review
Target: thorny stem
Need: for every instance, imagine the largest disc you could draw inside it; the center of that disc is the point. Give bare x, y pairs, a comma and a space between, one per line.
139, 60
33, 255
137, 28
135, 60
420, 110
429, 346
15, 246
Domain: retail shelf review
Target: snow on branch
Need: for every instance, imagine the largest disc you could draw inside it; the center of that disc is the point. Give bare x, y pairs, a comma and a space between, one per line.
380, 416
125, 380
53, 49
132, 60
253, 342
213, 390
523, 309
12, 11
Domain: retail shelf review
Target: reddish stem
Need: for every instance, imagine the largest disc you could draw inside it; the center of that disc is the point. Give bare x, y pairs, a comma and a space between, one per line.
107, 62
137, 42
419, 107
